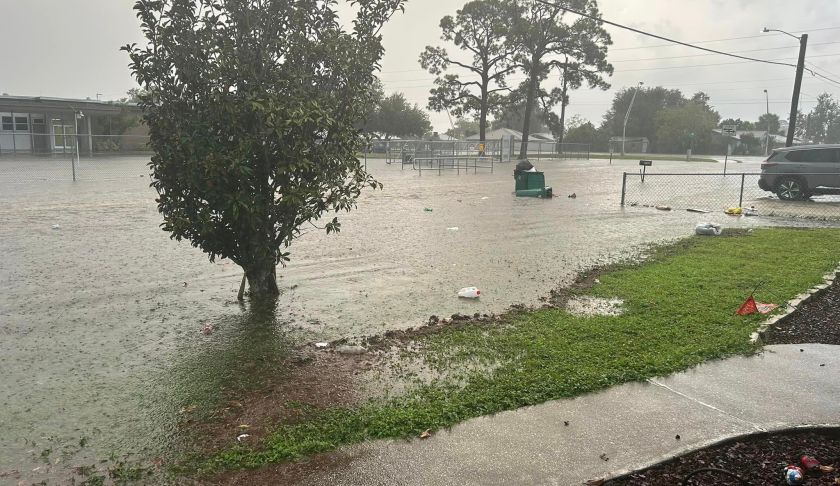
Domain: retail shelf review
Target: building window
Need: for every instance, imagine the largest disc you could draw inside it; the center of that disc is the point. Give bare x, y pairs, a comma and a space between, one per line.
22, 123
8, 126
37, 121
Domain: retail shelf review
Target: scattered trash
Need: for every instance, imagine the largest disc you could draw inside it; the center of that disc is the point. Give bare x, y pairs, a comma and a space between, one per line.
426, 434
597, 281
469, 293
56, 226
566, 423
677, 437
428, 210
207, 329
604, 457
809, 463
573, 196
708, 229
827, 469
750, 306
454, 228
701, 211
485, 198
241, 437
822, 365
793, 475
348, 349
663, 208
750, 211
734, 211
321, 345
185, 284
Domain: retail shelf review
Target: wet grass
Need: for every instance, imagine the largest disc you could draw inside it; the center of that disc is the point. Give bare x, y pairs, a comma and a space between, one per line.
679, 311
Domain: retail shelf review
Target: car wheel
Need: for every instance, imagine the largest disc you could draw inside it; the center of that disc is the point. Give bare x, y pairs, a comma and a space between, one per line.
791, 189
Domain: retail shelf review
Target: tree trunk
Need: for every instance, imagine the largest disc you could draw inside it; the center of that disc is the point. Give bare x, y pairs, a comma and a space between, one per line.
262, 280
482, 118
562, 134
529, 110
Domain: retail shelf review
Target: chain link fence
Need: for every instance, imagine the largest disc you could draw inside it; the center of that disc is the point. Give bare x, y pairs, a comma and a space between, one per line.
65, 156
738, 193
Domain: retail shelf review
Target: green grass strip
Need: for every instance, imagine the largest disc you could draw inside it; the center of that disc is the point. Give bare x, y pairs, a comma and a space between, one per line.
680, 311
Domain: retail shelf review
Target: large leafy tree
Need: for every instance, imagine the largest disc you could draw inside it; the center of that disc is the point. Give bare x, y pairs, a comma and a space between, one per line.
770, 120
823, 123
479, 29
685, 127
642, 122
253, 108
396, 117
543, 40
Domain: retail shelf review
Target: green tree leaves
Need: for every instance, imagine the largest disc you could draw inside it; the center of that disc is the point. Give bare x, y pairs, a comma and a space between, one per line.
253, 108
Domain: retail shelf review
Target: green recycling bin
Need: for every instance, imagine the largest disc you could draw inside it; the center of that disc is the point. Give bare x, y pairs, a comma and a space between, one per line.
531, 184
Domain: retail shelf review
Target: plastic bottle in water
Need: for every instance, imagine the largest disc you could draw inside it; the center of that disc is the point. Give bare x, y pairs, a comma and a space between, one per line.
469, 293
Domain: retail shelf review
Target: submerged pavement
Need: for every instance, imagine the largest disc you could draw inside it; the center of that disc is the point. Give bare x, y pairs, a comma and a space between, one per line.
623, 428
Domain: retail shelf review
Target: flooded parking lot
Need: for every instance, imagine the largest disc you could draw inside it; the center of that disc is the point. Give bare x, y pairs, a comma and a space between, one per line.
100, 311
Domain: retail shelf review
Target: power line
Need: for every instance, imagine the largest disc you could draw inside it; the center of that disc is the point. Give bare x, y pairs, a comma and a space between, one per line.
724, 39
655, 36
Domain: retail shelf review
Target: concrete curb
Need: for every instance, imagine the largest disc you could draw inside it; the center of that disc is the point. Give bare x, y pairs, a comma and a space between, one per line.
760, 336
665, 459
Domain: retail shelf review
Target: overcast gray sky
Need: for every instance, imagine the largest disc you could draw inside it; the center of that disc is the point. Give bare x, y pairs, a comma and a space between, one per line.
69, 48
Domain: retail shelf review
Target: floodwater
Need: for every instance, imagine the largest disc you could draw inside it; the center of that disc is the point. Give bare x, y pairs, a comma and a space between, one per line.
99, 320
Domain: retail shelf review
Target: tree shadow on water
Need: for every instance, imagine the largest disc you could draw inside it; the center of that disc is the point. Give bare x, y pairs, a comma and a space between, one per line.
241, 354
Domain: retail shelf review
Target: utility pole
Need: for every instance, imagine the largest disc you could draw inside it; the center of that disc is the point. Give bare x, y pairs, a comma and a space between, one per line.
767, 137
627, 116
794, 104
797, 85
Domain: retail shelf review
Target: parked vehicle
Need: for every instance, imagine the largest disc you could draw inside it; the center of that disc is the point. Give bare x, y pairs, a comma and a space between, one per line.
797, 173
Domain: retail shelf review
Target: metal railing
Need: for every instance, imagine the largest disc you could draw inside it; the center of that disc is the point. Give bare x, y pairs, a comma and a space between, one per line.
716, 193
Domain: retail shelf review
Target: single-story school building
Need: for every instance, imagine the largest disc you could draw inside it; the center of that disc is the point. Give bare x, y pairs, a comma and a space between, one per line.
42, 125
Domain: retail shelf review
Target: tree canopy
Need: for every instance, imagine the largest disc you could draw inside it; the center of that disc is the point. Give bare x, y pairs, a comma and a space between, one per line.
543, 41
479, 28
396, 117
253, 108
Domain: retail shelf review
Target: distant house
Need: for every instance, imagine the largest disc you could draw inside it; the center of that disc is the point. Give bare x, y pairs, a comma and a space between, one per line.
499, 134
542, 137
507, 133
42, 125
634, 145
775, 139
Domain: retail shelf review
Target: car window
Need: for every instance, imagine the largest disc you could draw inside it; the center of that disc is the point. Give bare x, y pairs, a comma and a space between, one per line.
776, 157
814, 156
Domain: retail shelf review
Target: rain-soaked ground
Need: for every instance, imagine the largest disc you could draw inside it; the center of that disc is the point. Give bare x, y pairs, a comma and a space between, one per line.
99, 318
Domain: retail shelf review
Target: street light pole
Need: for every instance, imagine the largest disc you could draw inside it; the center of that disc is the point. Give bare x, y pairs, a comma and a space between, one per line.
767, 137
627, 117
797, 85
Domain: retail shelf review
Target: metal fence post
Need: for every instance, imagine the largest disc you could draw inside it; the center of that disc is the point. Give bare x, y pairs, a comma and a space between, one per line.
741, 199
623, 188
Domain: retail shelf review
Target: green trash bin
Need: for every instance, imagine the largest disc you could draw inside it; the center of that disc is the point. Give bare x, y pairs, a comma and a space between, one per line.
531, 184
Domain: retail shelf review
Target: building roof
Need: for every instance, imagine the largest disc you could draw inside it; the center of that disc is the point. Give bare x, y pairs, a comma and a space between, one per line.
41, 103
759, 134
499, 133
545, 136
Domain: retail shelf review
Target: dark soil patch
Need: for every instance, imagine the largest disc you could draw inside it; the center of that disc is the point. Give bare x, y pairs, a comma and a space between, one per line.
314, 380
818, 321
759, 461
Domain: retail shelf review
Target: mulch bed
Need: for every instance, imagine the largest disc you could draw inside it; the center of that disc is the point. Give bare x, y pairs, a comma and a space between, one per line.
817, 321
757, 460
761, 460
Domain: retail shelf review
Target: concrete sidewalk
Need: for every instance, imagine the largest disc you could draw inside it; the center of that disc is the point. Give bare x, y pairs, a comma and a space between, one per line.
619, 429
